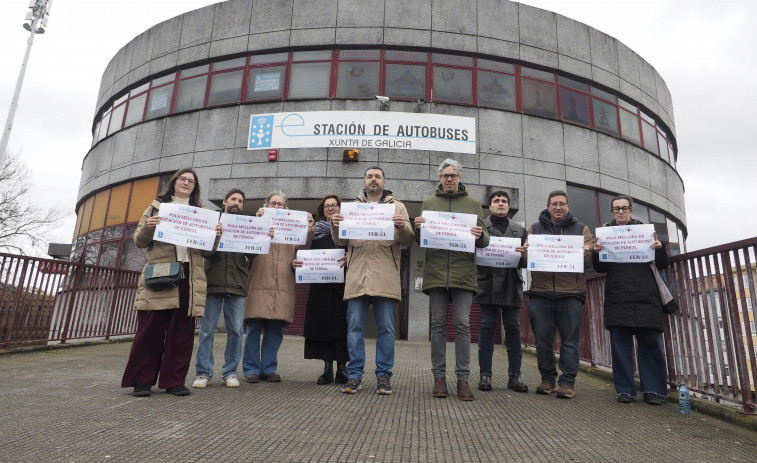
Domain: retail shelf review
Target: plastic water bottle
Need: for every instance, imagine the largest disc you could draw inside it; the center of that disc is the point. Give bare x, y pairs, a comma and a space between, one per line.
684, 401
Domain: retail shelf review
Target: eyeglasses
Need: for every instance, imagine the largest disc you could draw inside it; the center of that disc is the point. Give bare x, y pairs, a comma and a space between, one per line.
449, 176
186, 180
275, 204
331, 206
558, 204
621, 209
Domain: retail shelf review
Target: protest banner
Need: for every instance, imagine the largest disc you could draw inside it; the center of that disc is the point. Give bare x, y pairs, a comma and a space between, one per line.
245, 233
189, 226
320, 266
500, 253
556, 253
289, 227
626, 243
366, 221
448, 230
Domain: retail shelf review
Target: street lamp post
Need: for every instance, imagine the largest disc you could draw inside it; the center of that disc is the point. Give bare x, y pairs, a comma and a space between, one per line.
35, 23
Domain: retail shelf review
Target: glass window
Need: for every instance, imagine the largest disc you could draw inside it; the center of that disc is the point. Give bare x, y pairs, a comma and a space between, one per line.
605, 118
191, 94
121, 99
132, 257
103, 126
496, 66
194, 71
681, 241
573, 83
159, 101
536, 74
359, 54
87, 215
95, 136
116, 119
99, 209
317, 55
164, 80
454, 60
641, 212
452, 85
627, 105
119, 198
140, 89
130, 229
109, 254
310, 80
583, 205
660, 225
673, 248
647, 117
270, 58
629, 126
496, 90
110, 233
663, 144
538, 98
136, 110
574, 106
605, 216
405, 81
650, 137
602, 94
266, 83
405, 55
94, 236
79, 214
358, 79
142, 194
225, 88
229, 64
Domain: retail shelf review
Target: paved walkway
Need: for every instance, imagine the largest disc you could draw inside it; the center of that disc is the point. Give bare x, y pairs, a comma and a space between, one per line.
65, 405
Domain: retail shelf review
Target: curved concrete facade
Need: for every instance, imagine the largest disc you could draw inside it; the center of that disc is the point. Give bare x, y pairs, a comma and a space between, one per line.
530, 155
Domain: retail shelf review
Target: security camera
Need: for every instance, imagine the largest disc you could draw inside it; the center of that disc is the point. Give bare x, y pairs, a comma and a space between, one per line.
382, 98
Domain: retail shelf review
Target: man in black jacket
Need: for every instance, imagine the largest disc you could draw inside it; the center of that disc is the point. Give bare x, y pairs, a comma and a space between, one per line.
227, 274
501, 288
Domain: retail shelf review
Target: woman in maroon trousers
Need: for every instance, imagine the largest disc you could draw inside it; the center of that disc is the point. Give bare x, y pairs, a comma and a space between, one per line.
162, 348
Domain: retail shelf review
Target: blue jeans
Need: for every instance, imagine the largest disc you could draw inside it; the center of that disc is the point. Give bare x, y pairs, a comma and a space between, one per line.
233, 315
262, 359
383, 311
650, 358
563, 314
511, 322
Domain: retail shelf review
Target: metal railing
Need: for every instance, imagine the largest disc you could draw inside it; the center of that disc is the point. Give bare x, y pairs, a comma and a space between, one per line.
710, 341
45, 301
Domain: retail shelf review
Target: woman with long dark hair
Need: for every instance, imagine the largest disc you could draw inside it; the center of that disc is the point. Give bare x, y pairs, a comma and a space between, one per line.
162, 347
326, 313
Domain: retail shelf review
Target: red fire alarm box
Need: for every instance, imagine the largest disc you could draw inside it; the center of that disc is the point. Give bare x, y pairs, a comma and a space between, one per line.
273, 155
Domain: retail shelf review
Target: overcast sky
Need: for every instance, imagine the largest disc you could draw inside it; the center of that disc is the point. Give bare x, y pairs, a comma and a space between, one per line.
706, 51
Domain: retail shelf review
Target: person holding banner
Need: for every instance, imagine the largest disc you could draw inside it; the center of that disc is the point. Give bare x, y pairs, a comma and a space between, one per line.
270, 300
450, 275
162, 347
373, 276
633, 308
227, 274
556, 301
326, 313
501, 289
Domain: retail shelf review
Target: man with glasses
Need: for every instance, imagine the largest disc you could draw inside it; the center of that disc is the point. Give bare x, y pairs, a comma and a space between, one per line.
373, 275
227, 274
556, 300
451, 276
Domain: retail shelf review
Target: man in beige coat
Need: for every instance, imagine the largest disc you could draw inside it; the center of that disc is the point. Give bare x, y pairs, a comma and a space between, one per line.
373, 275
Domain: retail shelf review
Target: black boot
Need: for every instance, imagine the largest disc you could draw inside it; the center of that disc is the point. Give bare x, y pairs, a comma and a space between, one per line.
328, 374
341, 373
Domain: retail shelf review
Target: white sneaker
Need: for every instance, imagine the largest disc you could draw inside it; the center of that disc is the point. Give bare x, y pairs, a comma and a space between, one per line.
200, 382
231, 381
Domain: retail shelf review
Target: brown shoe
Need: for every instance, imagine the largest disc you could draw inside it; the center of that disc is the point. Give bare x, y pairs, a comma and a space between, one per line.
252, 378
272, 377
463, 391
545, 388
440, 388
565, 392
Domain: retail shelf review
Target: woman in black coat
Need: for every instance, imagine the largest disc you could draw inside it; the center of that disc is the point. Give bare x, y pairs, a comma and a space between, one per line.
326, 313
633, 307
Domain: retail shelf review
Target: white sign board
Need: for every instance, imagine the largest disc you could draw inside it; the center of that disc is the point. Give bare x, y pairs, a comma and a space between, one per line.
189, 226
367, 221
245, 233
556, 253
448, 230
363, 129
289, 227
500, 253
320, 266
626, 243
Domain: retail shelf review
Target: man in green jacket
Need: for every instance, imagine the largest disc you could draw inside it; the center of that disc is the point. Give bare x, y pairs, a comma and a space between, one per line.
226, 273
451, 275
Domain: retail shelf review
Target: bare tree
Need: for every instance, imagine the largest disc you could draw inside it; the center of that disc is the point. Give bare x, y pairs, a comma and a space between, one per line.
23, 224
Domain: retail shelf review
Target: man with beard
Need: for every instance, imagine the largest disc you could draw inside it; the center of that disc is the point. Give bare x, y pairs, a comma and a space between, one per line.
227, 274
373, 276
